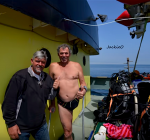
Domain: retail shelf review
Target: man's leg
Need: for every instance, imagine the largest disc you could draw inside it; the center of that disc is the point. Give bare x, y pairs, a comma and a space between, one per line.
42, 133
66, 121
24, 136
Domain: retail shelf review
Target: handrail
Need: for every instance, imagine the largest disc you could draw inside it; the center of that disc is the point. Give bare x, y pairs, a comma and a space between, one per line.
49, 122
82, 114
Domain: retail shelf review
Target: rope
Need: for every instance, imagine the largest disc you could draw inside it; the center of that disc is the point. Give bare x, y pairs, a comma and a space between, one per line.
140, 45
107, 22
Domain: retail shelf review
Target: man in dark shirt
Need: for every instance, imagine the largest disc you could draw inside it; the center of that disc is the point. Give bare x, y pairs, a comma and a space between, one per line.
25, 100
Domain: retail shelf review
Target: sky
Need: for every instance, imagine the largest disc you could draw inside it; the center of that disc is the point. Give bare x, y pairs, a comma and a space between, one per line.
117, 34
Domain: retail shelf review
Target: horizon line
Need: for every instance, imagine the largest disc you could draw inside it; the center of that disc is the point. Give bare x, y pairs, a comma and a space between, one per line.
119, 63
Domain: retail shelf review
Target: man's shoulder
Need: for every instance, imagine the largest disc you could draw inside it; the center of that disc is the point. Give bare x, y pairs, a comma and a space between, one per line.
22, 71
54, 65
20, 74
75, 64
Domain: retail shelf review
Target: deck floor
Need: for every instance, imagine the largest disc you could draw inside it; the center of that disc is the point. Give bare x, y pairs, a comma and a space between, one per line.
88, 119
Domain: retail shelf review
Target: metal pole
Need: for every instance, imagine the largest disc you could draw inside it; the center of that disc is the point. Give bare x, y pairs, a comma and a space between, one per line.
83, 135
128, 64
140, 45
49, 123
82, 114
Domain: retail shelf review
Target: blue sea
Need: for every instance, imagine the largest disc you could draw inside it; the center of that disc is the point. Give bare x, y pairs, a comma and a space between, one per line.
106, 70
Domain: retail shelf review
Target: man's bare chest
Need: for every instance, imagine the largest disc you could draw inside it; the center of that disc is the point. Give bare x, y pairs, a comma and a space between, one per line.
66, 73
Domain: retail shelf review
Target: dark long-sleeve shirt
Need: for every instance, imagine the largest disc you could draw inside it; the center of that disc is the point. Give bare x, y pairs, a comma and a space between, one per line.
25, 100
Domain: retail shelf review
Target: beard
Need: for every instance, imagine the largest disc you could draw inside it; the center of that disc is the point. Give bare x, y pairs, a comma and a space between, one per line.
38, 69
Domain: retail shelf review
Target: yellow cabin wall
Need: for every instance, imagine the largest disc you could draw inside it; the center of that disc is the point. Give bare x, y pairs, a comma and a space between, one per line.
17, 47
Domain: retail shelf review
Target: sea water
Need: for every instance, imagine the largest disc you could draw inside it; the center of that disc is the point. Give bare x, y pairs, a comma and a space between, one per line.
106, 70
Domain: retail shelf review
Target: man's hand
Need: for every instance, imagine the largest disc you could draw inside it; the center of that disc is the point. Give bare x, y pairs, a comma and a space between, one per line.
56, 83
81, 93
14, 131
52, 108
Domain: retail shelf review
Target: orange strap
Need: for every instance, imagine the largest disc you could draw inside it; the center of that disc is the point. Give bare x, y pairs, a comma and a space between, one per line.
109, 107
142, 114
115, 96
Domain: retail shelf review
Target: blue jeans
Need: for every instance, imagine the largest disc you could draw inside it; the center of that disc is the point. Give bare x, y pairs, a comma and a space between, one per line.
40, 134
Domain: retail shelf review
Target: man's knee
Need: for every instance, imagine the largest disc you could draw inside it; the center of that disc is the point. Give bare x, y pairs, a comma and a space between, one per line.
67, 133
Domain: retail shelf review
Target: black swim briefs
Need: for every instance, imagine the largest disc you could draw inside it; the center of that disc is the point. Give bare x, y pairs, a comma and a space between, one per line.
68, 105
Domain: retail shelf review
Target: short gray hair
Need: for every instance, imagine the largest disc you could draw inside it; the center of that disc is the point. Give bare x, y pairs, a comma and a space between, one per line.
63, 46
40, 54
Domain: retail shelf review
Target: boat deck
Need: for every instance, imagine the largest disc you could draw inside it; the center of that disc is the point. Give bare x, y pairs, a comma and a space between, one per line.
88, 119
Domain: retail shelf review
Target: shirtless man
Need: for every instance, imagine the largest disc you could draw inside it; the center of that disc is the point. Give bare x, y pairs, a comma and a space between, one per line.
66, 74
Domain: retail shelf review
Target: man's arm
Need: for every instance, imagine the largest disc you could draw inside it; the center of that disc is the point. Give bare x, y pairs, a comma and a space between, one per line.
9, 107
81, 76
10, 102
52, 70
51, 73
83, 89
52, 104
